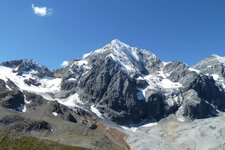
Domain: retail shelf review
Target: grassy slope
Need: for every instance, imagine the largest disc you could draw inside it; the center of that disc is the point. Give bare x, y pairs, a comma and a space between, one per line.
13, 141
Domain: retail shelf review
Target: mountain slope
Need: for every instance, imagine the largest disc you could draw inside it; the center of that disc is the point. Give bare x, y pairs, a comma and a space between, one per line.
20, 142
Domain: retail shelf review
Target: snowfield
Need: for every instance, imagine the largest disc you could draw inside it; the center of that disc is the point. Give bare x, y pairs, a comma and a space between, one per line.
47, 87
47, 84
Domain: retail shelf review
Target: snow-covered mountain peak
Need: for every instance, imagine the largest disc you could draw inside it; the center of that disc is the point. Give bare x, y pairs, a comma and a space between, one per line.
132, 60
26, 66
219, 58
118, 43
118, 49
115, 47
213, 66
16, 63
210, 61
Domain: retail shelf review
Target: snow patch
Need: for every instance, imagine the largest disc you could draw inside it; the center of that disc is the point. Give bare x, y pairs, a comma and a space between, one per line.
152, 81
8, 87
194, 70
156, 83
140, 94
71, 101
135, 54
216, 77
162, 74
26, 101
65, 63
22, 108
166, 83
134, 129
223, 85
82, 62
72, 79
86, 55
55, 114
149, 125
96, 111
181, 118
165, 63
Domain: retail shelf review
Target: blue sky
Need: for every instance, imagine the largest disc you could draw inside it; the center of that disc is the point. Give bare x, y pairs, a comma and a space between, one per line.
186, 30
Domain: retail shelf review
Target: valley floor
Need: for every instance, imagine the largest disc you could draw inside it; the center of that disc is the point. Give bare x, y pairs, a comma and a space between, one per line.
171, 134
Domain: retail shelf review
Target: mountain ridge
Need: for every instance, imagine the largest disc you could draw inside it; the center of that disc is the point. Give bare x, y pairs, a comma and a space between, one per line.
144, 74
116, 84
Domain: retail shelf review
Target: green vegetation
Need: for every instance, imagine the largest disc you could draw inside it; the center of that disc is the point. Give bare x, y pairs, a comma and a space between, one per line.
13, 141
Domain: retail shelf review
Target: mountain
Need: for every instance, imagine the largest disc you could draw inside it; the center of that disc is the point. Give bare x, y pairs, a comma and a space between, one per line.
107, 93
128, 85
213, 66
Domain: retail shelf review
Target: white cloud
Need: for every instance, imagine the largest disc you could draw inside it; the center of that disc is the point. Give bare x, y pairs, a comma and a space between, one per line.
42, 11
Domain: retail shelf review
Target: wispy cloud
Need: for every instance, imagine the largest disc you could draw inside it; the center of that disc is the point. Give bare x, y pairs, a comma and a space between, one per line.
42, 11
